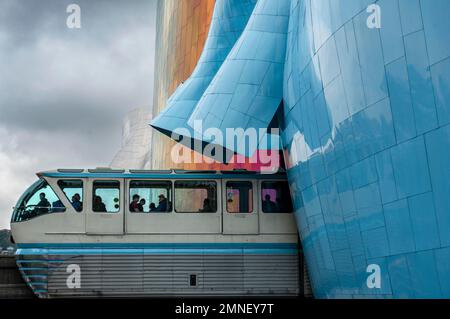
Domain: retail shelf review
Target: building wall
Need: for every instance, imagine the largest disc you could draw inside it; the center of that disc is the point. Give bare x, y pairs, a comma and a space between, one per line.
136, 138
12, 286
182, 28
181, 39
367, 138
365, 125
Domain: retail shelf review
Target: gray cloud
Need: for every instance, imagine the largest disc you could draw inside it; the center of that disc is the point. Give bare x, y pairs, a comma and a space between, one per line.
64, 92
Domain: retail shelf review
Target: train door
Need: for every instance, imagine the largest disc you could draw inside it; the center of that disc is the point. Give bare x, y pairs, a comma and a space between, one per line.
276, 208
239, 207
106, 207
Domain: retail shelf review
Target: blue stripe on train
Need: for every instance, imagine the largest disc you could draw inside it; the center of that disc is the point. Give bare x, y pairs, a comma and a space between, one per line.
158, 249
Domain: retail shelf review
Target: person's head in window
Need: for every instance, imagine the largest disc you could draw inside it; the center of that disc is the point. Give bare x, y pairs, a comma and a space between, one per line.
152, 207
76, 202
43, 201
99, 206
76, 198
267, 198
134, 205
42, 196
162, 205
268, 205
43, 205
141, 205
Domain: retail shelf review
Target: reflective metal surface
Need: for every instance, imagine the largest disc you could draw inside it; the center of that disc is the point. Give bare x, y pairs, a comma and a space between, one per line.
365, 130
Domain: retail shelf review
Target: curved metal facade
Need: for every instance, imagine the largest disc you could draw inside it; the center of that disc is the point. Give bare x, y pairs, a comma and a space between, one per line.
228, 22
192, 39
367, 133
365, 126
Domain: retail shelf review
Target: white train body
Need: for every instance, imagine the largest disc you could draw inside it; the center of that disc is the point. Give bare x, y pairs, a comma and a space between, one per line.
211, 233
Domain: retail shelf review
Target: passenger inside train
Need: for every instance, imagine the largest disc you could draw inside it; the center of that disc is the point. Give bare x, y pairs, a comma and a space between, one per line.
76, 202
146, 196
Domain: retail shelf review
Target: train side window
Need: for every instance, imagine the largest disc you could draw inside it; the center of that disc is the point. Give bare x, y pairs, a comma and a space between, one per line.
73, 189
150, 197
106, 197
195, 197
40, 199
239, 197
275, 197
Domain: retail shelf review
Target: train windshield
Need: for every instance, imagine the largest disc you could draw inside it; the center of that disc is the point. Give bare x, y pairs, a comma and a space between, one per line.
39, 199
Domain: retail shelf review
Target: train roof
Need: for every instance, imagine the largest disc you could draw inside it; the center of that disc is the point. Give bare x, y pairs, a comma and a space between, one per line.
160, 174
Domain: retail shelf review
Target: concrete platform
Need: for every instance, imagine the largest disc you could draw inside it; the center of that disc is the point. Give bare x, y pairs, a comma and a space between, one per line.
12, 285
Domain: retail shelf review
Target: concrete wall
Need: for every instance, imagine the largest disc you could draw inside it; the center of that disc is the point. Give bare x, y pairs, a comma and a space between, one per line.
12, 285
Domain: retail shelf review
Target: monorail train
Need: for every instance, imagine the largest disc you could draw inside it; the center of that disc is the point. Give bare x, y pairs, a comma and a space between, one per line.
122, 233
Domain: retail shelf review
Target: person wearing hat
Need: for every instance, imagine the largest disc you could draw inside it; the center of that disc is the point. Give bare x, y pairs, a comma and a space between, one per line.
162, 205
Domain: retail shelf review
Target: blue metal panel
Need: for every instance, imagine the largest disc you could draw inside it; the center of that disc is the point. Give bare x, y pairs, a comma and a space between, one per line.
254, 65
436, 23
399, 277
420, 82
364, 173
424, 276
386, 179
376, 243
401, 104
410, 164
423, 221
371, 60
391, 31
443, 270
351, 72
398, 227
439, 159
411, 16
440, 74
368, 203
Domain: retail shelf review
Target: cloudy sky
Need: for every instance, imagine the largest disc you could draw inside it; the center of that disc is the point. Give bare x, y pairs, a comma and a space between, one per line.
64, 92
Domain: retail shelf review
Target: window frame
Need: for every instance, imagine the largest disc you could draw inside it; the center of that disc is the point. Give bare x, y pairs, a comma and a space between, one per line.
216, 183
261, 196
253, 210
32, 190
83, 194
171, 195
120, 201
